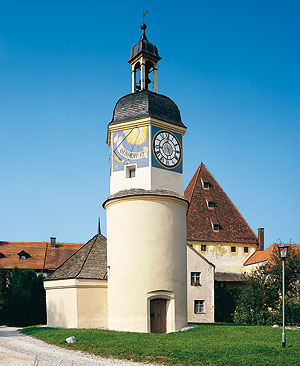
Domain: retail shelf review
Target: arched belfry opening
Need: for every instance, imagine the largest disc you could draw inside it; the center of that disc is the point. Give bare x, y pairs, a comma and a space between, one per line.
143, 59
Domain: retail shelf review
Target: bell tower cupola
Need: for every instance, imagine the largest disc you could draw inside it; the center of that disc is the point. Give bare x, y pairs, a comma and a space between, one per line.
143, 60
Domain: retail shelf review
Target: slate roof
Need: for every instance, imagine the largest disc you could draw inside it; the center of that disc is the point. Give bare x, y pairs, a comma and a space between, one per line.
89, 262
145, 47
144, 192
265, 255
229, 277
200, 218
41, 257
146, 104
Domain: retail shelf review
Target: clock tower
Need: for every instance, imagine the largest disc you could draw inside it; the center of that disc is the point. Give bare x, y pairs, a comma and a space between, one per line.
146, 211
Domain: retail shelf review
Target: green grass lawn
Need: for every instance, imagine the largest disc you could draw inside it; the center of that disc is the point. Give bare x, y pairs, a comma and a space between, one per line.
207, 344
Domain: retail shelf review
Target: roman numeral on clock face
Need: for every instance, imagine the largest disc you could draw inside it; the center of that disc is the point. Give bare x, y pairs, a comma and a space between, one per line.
167, 149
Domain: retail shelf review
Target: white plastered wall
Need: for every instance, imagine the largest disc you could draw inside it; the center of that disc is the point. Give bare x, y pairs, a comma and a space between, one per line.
203, 292
146, 239
76, 303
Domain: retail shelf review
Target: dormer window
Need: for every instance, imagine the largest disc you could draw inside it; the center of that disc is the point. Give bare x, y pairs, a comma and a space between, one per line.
2, 255
217, 227
206, 185
211, 204
23, 255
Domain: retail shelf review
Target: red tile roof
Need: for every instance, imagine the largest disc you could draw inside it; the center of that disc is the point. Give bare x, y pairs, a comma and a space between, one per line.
41, 257
265, 255
200, 218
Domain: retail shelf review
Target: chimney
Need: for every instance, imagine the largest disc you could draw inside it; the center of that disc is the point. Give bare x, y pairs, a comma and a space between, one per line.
261, 240
53, 242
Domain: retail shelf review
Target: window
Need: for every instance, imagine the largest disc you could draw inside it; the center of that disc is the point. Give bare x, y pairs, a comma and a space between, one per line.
199, 306
246, 250
130, 171
206, 185
217, 227
211, 204
23, 255
1, 255
195, 278
203, 247
233, 249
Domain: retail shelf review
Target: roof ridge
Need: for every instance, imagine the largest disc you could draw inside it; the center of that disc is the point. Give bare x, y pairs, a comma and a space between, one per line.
68, 258
232, 203
197, 173
85, 259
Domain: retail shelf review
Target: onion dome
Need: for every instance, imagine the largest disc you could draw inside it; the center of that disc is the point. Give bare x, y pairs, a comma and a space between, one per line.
144, 46
146, 104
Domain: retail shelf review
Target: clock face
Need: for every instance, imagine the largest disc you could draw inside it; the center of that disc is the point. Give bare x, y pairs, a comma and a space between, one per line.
166, 148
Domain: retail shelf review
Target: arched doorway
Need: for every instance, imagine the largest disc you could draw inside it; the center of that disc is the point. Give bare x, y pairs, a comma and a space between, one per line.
158, 314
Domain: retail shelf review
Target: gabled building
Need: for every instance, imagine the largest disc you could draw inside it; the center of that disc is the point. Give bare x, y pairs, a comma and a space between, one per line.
77, 290
215, 227
43, 257
262, 258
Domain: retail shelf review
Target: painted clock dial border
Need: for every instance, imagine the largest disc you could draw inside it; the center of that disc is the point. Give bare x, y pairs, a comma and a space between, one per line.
154, 151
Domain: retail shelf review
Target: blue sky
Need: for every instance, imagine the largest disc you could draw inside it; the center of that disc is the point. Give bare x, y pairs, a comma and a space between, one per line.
232, 67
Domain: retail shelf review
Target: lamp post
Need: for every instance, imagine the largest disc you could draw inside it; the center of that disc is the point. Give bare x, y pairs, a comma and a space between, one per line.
283, 250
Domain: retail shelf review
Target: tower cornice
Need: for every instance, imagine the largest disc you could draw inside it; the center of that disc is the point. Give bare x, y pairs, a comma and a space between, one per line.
143, 122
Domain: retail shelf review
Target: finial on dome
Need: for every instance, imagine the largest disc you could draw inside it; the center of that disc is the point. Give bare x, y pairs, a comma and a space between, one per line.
143, 28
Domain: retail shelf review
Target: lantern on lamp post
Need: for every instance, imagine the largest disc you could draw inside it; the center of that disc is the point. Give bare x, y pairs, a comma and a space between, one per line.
283, 250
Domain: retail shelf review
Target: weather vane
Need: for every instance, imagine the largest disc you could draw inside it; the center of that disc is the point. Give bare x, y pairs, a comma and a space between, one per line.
145, 12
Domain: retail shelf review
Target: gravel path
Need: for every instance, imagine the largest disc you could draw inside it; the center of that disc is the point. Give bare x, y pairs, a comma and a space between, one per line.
17, 349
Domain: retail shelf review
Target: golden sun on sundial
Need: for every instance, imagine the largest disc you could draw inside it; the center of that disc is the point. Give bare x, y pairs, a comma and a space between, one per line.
136, 136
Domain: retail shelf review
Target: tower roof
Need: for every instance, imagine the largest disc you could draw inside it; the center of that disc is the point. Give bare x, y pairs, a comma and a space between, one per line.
144, 46
204, 191
146, 104
89, 262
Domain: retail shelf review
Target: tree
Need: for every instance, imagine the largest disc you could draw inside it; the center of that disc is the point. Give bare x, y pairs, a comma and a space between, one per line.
292, 270
4, 281
257, 297
259, 301
25, 298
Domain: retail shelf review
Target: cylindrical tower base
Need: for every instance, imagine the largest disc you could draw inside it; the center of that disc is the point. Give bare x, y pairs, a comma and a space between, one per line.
146, 257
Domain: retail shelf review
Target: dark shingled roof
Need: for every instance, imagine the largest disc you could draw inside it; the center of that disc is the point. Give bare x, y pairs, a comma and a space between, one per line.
229, 277
144, 192
145, 47
89, 262
200, 218
146, 104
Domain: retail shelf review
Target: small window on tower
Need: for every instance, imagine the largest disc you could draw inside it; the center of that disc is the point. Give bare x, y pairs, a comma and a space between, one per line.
246, 250
203, 247
130, 171
206, 185
233, 249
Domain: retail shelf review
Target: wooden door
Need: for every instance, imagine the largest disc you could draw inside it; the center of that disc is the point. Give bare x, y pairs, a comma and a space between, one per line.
158, 316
